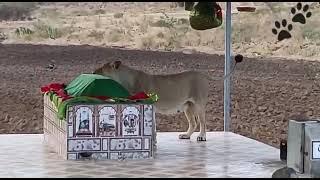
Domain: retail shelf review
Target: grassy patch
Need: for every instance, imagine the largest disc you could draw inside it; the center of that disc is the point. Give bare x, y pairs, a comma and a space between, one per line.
43, 30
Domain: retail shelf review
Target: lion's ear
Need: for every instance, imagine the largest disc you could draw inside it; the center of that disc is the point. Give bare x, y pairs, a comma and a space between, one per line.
116, 64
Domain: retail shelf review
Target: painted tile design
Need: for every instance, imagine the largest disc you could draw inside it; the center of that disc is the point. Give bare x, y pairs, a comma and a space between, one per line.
72, 156
83, 144
125, 144
100, 156
70, 131
84, 121
107, 121
148, 120
130, 155
130, 120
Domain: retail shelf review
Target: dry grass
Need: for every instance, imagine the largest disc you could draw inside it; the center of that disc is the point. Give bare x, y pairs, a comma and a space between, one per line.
118, 15
97, 35
100, 11
43, 30
148, 27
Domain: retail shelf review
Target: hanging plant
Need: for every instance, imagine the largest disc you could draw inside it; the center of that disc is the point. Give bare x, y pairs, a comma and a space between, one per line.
204, 15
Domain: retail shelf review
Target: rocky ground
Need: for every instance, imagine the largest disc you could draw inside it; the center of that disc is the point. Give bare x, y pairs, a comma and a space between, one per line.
265, 92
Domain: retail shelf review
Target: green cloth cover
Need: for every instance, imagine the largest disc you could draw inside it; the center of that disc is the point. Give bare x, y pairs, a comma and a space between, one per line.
62, 105
87, 85
95, 85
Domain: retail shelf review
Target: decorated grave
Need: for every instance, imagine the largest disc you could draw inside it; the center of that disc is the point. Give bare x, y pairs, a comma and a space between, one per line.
94, 117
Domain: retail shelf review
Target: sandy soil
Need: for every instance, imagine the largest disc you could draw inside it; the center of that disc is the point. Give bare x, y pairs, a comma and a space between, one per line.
265, 92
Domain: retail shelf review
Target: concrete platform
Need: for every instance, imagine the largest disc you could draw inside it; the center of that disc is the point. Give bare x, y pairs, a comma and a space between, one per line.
222, 155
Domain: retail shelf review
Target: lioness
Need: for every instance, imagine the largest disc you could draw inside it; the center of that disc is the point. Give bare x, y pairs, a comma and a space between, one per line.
185, 91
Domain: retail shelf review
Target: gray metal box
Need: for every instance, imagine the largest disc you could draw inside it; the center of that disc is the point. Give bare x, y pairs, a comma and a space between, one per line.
304, 146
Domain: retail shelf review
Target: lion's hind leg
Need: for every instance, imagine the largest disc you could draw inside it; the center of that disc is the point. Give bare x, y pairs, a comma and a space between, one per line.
189, 111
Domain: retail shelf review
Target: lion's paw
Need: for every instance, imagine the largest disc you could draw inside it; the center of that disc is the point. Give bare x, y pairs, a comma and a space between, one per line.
184, 136
201, 138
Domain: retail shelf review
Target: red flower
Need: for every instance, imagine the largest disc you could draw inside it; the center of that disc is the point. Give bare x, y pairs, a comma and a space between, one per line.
56, 88
139, 95
52, 87
63, 94
45, 89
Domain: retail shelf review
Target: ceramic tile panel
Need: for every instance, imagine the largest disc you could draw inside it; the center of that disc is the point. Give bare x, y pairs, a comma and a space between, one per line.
105, 144
77, 145
123, 144
130, 155
147, 142
84, 121
148, 120
107, 120
130, 119
70, 131
72, 156
101, 156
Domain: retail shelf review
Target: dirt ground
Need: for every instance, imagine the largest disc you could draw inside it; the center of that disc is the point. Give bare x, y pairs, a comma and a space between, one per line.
265, 92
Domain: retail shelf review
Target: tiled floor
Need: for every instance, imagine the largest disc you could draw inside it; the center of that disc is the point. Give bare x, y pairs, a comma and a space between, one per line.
222, 155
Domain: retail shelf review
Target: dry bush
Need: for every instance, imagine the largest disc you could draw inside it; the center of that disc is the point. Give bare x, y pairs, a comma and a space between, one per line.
243, 33
165, 21
183, 21
46, 31
15, 11
146, 42
161, 23
144, 25
50, 13
3, 36
43, 30
160, 35
311, 33
97, 35
178, 4
115, 35
21, 31
97, 23
100, 11
81, 12
163, 39
24, 33
118, 15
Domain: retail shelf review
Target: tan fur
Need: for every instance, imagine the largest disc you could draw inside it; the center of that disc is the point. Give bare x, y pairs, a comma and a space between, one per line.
186, 91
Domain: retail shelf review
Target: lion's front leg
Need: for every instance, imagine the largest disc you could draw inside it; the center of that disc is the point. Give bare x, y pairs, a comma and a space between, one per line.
202, 120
